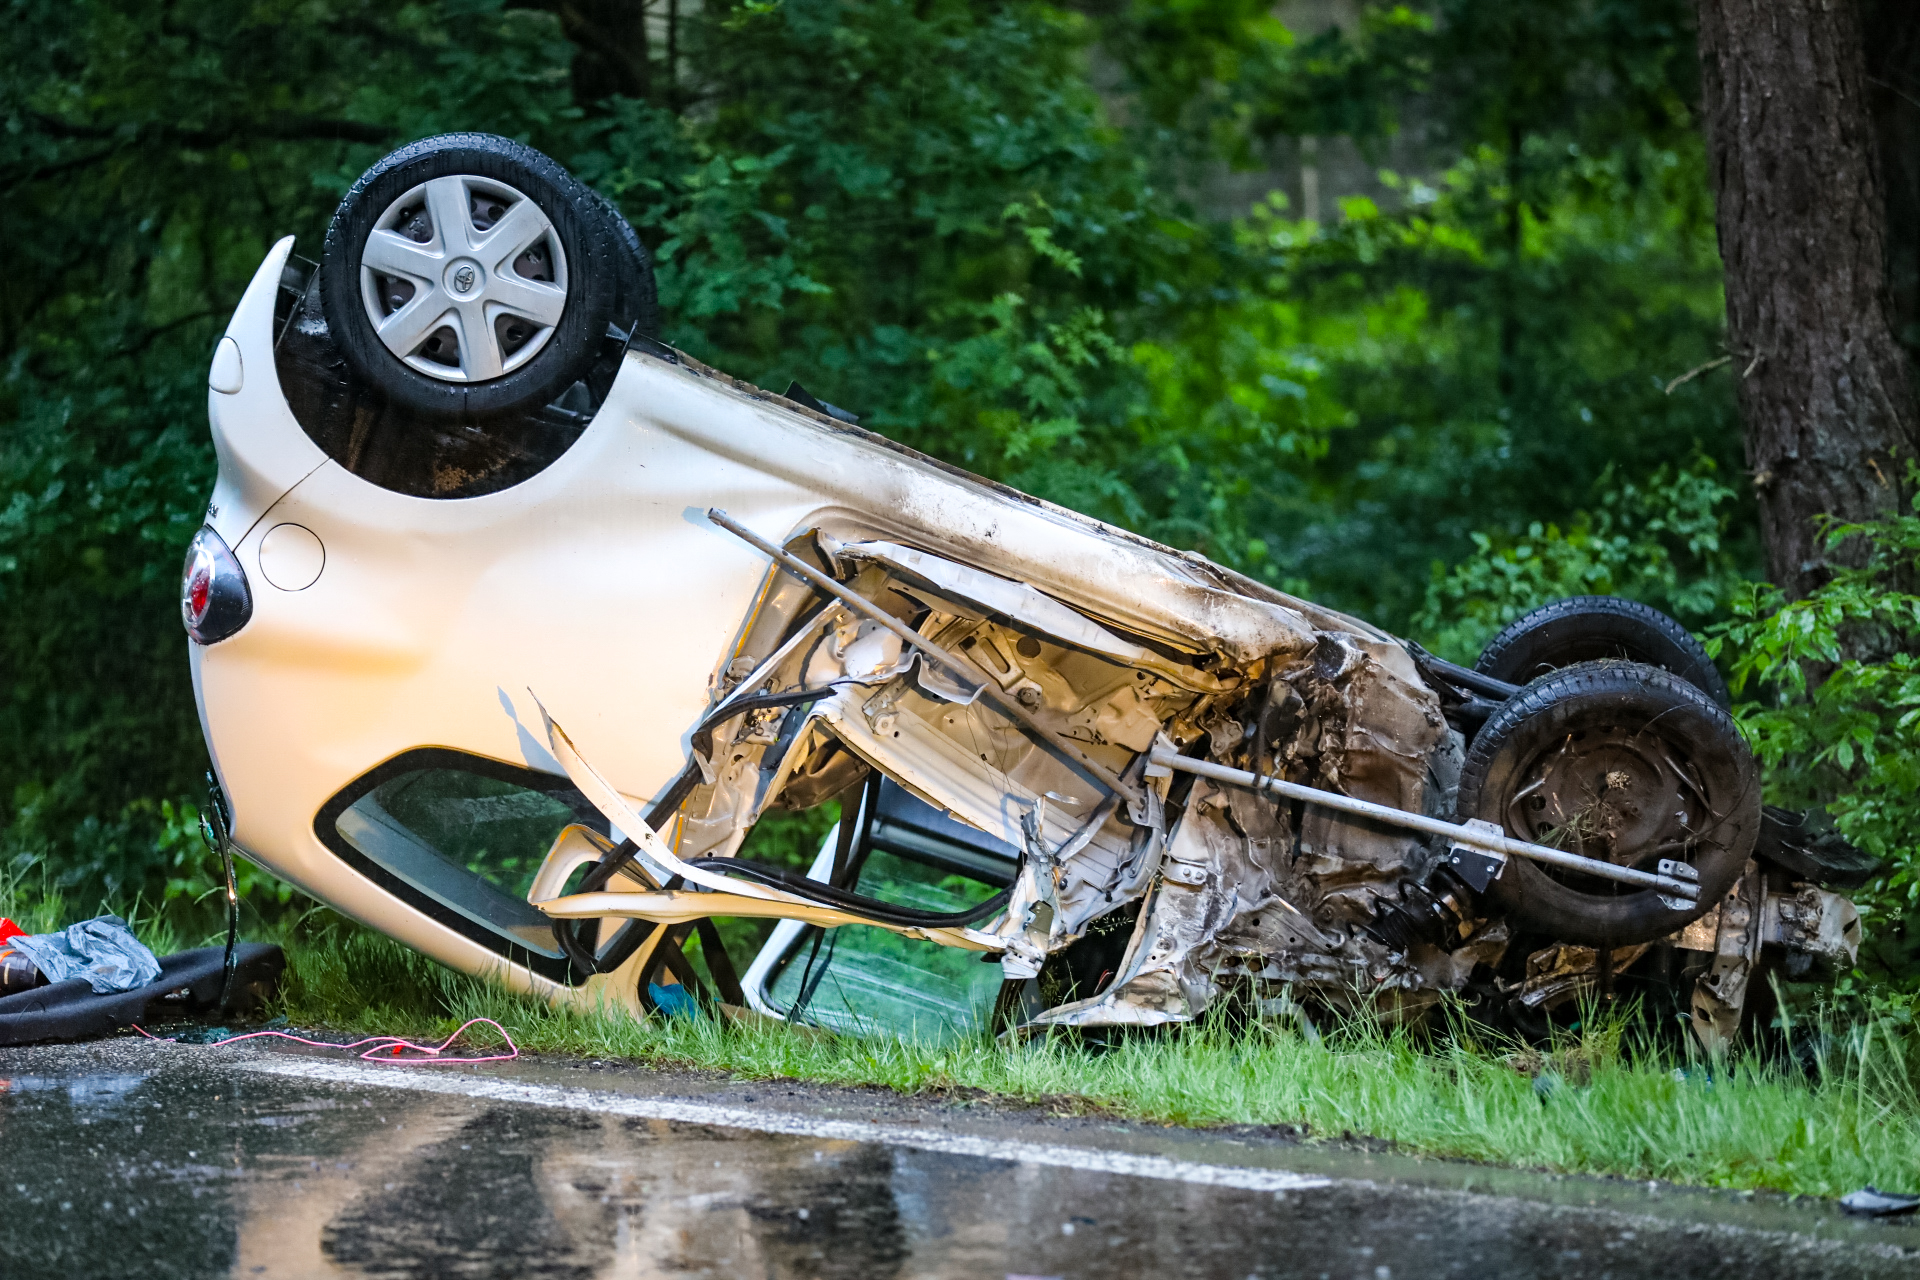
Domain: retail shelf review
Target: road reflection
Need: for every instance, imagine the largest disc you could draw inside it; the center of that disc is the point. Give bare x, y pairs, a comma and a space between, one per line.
200, 1170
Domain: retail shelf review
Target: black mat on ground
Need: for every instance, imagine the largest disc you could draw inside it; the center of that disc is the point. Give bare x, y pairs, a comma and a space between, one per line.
189, 983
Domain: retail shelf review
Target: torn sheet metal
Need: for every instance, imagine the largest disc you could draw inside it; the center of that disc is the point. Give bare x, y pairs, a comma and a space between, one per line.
1721, 994
1231, 887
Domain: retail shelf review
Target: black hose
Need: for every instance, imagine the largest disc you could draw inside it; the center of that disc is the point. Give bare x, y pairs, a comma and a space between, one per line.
216, 828
579, 954
761, 702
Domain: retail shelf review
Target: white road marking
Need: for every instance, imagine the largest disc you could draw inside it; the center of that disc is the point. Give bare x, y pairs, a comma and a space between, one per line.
1087, 1159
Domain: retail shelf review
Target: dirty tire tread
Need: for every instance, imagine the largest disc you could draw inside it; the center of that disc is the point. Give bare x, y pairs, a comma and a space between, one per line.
1589, 628
636, 307
1542, 713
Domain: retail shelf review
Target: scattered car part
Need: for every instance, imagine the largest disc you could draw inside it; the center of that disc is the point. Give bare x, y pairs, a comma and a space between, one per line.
1592, 628
1626, 763
189, 983
1872, 1202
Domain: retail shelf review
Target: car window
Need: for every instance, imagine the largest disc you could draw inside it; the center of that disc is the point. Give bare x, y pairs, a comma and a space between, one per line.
868, 979
468, 841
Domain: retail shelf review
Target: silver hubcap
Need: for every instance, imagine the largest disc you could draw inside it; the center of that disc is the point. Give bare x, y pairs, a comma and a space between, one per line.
464, 279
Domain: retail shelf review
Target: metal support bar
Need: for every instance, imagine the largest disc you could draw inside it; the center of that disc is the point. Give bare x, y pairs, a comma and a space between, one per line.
1468, 835
675, 906
964, 671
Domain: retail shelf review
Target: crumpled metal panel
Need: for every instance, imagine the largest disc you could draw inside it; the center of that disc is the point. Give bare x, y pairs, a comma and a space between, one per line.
1822, 925
1233, 888
1243, 895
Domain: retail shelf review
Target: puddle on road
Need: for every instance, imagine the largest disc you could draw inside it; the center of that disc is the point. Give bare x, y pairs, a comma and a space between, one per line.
192, 1170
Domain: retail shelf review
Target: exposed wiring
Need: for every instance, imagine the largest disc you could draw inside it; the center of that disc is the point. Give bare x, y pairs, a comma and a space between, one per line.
380, 1048
216, 827
811, 978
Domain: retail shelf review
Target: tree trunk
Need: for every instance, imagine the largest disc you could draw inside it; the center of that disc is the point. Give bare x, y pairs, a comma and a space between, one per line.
1893, 97
1824, 388
609, 39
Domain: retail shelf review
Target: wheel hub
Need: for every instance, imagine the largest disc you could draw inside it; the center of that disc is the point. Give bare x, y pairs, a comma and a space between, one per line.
1607, 794
464, 279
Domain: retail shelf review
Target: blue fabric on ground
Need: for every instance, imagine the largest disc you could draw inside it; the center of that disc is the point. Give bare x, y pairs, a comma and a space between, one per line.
102, 950
673, 1001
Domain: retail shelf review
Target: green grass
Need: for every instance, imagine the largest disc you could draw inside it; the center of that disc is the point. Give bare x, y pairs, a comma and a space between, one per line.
1605, 1108
38, 907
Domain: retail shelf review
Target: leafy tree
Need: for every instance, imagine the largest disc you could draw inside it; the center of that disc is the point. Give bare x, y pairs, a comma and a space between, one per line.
1835, 718
151, 154
1477, 357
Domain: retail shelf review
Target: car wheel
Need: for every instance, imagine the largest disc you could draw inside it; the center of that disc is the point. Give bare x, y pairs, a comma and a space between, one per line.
636, 306
1588, 628
468, 275
1621, 762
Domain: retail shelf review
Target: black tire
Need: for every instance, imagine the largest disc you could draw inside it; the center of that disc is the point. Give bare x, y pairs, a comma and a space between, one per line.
1591, 628
636, 307
1689, 791
596, 248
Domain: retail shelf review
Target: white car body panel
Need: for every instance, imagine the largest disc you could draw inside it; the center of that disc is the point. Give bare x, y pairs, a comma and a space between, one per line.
262, 450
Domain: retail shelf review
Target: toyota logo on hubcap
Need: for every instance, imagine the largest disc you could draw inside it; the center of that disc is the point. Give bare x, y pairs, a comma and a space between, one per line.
463, 279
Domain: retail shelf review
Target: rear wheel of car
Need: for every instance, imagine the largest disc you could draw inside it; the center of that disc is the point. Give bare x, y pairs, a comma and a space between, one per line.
470, 275
1620, 762
1590, 628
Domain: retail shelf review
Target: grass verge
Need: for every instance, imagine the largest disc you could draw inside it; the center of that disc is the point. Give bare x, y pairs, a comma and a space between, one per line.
1592, 1104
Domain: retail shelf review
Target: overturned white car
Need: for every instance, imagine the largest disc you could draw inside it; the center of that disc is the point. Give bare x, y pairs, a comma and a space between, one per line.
509, 624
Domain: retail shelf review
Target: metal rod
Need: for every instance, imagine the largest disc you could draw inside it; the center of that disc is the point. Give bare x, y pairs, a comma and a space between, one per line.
1420, 822
678, 907
965, 671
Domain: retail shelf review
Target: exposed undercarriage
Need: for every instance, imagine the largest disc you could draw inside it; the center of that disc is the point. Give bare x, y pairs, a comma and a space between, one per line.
1214, 886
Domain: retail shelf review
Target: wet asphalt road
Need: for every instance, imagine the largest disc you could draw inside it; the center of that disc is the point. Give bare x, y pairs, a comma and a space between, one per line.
148, 1160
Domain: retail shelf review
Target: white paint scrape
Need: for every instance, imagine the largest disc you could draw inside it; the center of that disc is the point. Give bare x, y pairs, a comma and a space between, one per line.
1052, 1155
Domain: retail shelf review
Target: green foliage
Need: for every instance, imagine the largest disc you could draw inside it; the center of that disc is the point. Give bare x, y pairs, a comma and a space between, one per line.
1475, 357
1836, 712
151, 154
1663, 542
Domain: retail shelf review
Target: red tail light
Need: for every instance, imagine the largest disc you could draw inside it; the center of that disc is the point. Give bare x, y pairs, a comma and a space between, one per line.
215, 600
